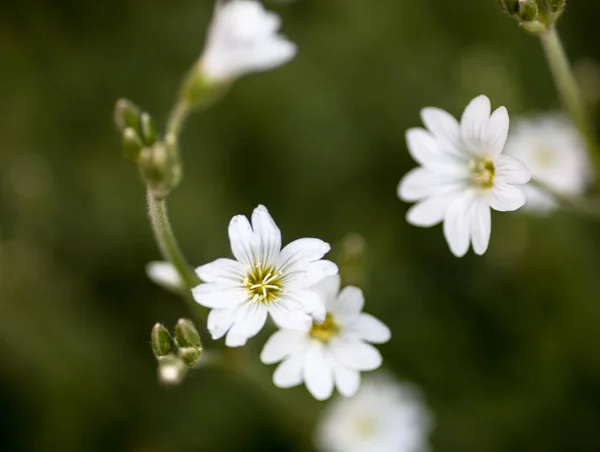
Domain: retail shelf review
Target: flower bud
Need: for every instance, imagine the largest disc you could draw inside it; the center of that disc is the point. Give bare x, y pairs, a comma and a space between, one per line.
186, 334
528, 11
190, 355
171, 370
160, 167
127, 114
148, 129
161, 340
132, 144
512, 6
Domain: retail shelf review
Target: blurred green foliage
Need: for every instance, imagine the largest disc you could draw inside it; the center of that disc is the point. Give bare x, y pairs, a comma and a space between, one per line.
505, 347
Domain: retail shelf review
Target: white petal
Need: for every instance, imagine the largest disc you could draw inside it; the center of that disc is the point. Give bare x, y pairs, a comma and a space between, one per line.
289, 372
242, 38
318, 375
309, 302
165, 275
480, 224
443, 126
267, 235
419, 183
281, 344
309, 274
221, 271
496, 132
328, 288
429, 152
297, 254
250, 318
456, 226
356, 355
511, 170
474, 124
219, 321
349, 302
506, 198
288, 315
219, 296
371, 329
347, 380
242, 240
430, 211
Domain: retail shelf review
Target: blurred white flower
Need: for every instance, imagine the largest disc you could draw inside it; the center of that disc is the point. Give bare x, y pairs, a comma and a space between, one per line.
264, 279
242, 38
462, 174
333, 352
165, 275
555, 152
384, 416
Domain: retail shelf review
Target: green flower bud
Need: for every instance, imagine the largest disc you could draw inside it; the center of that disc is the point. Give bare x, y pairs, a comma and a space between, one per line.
186, 334
161, 340
160, 168
127, 114
190, 355
148, 129
528, 11
171, 370
132, 144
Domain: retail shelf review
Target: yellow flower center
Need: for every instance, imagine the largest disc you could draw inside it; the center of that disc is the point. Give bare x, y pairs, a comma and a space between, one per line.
365, 426
483, 173
264, 284
325, 331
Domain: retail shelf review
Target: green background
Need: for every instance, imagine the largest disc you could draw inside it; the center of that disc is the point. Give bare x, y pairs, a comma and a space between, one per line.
505, 347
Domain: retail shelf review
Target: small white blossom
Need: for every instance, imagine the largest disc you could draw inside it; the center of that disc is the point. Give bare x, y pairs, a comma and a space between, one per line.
384, 416
555, 152
165, 275
264, 279
462, 174
332, 352
242, 38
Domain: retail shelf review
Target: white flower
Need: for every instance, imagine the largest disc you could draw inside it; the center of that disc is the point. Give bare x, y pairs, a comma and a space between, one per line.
462, 174
334, 351
264, 279
242, 38
165, 275
555, 152
384, 416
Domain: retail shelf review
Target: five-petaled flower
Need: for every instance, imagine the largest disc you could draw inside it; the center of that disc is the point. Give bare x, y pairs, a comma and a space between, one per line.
264, 279
332, 352
462, 174
242, 38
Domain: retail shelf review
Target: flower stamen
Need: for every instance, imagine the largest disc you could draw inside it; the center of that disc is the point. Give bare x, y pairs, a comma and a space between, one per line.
325, 331
263, 284
483, 173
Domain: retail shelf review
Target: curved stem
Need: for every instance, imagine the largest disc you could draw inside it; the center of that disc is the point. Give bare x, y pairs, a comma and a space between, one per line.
569, 91
165, 238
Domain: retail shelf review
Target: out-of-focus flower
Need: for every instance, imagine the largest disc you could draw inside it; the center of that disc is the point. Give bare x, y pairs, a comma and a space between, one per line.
242, 38
332, 352
264, 279
462, 174
165, 275
555, 152
384, 416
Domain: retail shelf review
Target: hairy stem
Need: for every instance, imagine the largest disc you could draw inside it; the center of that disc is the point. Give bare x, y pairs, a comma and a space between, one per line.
569, 91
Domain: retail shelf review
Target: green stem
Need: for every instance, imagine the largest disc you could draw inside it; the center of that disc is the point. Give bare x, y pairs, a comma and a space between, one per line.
165, 238
585, 206
569, 90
